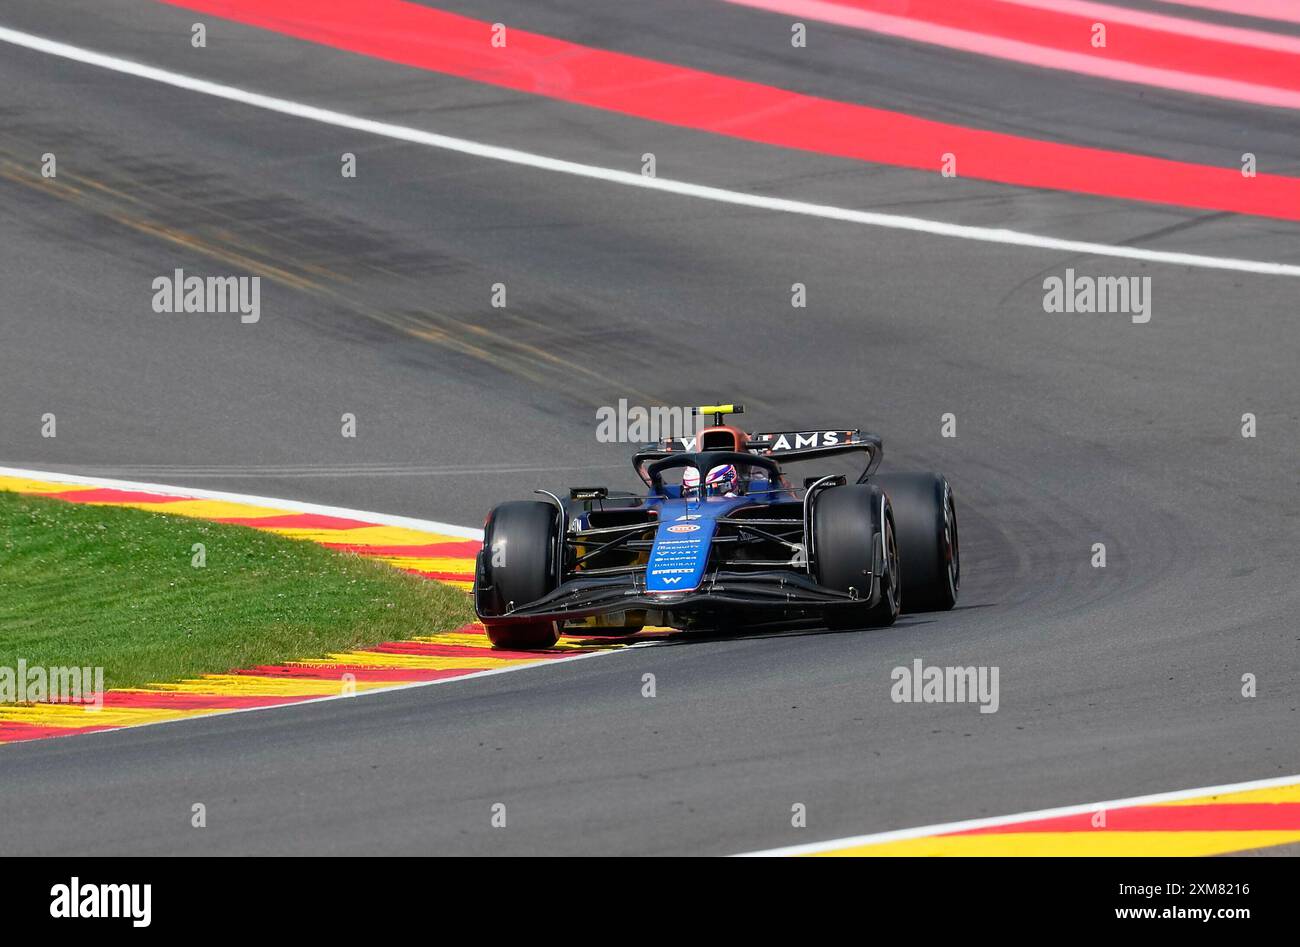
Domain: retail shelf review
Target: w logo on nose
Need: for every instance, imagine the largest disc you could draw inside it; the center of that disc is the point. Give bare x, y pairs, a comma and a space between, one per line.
673, 581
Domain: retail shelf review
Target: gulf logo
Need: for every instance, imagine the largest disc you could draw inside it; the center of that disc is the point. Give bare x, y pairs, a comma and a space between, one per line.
683, 528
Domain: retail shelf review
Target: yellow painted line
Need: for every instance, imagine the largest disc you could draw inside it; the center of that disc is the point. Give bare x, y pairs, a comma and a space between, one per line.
460, 639
21, 485
199, 509
425, 538
1271, 794
254, 685
464, 640
365, 535
422, 662
78, 715
429, 564
1102, 842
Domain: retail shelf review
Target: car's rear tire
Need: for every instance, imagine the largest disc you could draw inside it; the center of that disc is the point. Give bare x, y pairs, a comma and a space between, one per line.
518, 565
846, 521
925, 518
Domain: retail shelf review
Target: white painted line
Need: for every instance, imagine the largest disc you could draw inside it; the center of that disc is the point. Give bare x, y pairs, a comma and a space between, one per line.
633, 179
293, 506
949, 827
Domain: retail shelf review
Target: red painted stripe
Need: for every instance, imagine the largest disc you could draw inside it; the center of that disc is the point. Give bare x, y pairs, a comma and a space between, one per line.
474, 628
164, 700
467, 550
334, 672
430, 650
1222, 817
443, 42
18, 732
105, 495
295, 521
465, 576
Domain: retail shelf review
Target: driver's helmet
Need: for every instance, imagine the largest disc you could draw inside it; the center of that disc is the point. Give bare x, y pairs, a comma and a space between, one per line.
721, 480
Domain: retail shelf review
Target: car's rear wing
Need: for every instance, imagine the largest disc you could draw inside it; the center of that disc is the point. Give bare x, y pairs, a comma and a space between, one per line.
788, 446
782, 446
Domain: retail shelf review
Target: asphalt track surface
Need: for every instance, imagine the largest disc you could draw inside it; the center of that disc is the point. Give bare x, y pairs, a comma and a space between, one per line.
1071, 429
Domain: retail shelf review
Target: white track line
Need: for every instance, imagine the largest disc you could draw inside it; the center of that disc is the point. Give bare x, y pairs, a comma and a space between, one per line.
632, 179
295, 506
947, 827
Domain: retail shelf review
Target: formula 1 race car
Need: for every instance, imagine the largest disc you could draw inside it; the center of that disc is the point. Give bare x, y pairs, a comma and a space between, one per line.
731, 544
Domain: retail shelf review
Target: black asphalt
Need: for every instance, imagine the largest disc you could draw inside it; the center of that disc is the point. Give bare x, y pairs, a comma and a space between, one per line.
1071, 430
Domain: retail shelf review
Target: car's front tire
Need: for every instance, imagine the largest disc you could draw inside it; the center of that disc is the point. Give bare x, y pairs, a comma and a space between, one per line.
846, 523
518, 564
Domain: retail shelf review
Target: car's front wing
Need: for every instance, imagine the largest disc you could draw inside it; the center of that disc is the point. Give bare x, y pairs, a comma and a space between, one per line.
778, 590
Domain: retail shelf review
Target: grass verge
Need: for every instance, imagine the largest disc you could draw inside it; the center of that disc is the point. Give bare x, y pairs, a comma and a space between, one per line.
116, 588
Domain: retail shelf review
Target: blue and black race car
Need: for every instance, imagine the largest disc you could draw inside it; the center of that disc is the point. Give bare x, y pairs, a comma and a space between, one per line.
721, 539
